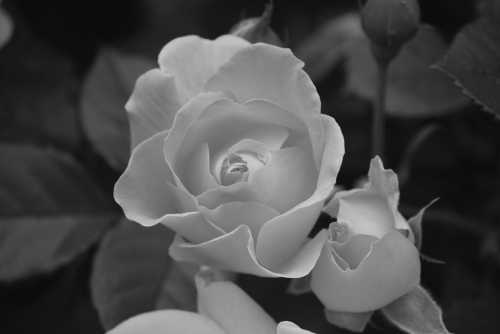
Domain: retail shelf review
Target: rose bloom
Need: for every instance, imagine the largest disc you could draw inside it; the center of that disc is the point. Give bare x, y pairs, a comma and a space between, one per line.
231, 152
370, 259
223, 308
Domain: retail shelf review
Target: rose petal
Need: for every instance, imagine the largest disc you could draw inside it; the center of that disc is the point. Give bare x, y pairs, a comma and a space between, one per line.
288, 178
168, 322
183, 119
280, 238
193, 227
263, 71
354, 250
269, 112
332, 153
365, 213
384, 181
193, 60
195, 174
287, 327
390, 270
233, 214
145, 190
152, 105
232, 308
235, 251
237, 192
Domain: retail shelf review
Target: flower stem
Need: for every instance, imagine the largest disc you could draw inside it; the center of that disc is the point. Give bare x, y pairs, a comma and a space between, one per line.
378, 123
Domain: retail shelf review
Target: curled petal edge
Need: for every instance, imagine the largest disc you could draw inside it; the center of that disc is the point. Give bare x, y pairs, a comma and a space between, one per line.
235, 251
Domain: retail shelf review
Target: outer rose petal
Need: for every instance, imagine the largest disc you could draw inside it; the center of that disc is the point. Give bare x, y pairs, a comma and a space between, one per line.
145, 190
230, 215
192, 226
152, 105
235, 251
331, 154
280, 238
272, 246
391, 270
287, 327
193, 60
168, 322
266, 72
232, 308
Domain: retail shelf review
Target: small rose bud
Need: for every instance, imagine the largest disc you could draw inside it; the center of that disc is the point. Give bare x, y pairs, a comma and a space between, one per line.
258, 29
389, 24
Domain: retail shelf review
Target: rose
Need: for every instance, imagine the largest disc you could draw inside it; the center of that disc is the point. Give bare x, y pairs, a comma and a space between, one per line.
370, 259
223, 308
231, 152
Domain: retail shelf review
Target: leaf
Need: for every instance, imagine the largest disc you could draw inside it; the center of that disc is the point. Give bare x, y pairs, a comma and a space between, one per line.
355, 322
133, 273
105, 92
50, 211
416, 313
472, 63
38, 99
413, 89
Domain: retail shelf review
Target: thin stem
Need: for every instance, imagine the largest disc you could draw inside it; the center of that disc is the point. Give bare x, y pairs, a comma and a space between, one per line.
378, 130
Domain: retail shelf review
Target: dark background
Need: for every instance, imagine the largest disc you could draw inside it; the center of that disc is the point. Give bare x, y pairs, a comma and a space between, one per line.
459, 162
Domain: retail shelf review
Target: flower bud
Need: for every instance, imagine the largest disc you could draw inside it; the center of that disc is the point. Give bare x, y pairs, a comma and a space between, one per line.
389, 24
258, 29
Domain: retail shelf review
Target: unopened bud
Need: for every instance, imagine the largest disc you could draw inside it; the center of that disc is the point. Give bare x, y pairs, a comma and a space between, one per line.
389, 24
258, 29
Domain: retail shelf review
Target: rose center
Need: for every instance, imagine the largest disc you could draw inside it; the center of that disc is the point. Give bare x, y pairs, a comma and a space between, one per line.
339, 231
238, 166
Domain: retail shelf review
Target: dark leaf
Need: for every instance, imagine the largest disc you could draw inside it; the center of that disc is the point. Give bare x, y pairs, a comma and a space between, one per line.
38, 99
106, 90
473, 63
50, 211
133, 273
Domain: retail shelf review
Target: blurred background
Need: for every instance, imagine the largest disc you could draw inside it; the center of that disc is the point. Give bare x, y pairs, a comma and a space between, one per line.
70, 66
